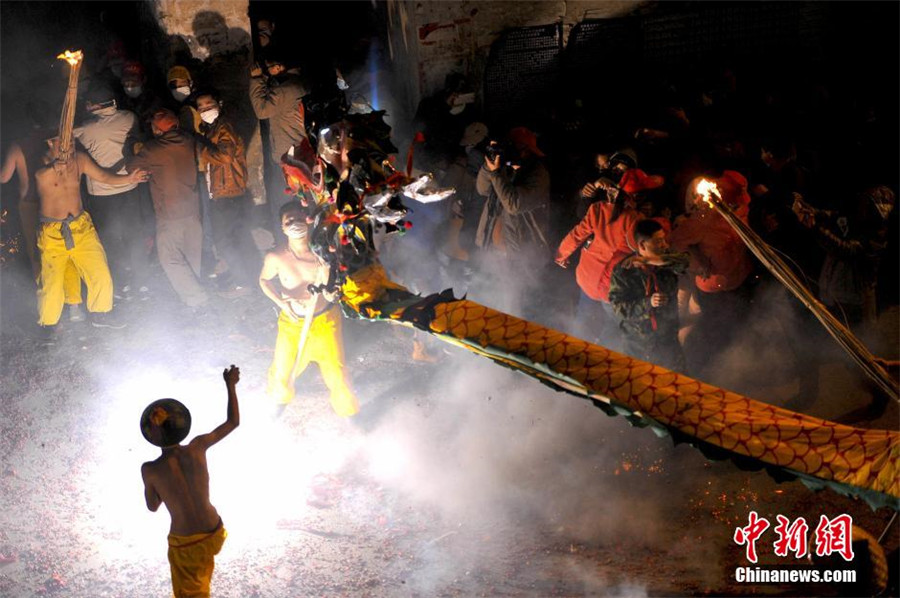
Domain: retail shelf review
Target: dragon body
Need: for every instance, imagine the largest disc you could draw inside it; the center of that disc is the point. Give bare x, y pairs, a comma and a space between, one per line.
722, 424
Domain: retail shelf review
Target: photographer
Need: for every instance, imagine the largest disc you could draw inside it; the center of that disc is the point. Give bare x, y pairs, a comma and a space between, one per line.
515, 221
515, 218
611, 170
602, 239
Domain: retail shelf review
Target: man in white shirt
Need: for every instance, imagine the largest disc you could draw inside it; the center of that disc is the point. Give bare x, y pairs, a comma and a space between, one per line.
108, 136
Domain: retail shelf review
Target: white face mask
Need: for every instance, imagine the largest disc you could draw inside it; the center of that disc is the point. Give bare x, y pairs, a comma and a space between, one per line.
296, 230
180, 93
884, 209
133, 92
210, 116
104, 112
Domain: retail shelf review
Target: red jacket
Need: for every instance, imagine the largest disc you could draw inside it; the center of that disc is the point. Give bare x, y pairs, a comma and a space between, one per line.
612, 242
723, 251
729, 262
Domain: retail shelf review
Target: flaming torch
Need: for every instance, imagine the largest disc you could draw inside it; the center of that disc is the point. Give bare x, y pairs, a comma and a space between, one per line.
710, 194
67, 119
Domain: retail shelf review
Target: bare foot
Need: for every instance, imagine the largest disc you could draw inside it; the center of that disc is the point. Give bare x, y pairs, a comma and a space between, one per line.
420, 354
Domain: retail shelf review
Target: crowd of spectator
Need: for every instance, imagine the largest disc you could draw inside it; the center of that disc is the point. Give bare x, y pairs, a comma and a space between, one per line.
613, 206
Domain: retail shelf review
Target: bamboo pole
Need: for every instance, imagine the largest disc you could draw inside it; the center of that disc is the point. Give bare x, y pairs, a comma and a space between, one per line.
67, 118
846, 339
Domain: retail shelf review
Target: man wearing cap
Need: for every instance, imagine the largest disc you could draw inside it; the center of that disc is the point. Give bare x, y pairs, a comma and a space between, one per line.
515, 220
171, 159
108, 137
181, 85
179, 479
612, 169
605, 237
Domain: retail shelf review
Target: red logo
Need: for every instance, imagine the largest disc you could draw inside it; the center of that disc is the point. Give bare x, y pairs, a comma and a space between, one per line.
750, 534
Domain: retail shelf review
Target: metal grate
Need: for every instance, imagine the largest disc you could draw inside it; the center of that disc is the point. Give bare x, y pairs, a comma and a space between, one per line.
522, 68
594, 42
703, 31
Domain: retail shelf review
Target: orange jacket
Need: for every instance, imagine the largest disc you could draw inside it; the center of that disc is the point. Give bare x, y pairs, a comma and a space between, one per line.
728, 260
612, 242
225, 160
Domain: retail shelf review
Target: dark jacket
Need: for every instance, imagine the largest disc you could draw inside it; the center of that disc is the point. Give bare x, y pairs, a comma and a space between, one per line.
225, 161
850, 272
651, 333
279, 99
172, 162
519, 202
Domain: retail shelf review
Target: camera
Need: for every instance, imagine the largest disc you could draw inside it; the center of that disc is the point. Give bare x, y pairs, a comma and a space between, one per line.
495, 149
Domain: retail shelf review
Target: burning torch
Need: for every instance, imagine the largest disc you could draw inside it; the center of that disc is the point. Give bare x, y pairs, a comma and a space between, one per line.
67, 118
711, 195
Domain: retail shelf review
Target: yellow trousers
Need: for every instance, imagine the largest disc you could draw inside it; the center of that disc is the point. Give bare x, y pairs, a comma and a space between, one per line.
28, 212
191, 559
57, 283
71, 284
323, 346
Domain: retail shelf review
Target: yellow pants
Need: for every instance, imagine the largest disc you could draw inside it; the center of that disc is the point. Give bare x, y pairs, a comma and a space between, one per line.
71, 284
191, 559
56, 285
322, 346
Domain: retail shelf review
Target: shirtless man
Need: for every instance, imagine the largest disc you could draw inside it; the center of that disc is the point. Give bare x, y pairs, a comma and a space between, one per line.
179, 478
67, 233
286, 275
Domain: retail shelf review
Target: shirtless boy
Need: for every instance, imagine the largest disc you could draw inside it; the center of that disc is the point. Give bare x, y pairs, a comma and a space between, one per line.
179, 479
286, 275
67, 233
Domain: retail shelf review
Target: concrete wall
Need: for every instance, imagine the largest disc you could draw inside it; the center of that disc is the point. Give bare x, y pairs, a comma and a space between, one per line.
428, 40
208, 27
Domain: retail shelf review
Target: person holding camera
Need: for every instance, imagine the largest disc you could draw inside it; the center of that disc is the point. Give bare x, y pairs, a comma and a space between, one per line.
603, 238
513, 230
611, 168
515, 219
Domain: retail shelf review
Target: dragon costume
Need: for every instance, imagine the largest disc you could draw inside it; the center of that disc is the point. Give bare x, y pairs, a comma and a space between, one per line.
352, 191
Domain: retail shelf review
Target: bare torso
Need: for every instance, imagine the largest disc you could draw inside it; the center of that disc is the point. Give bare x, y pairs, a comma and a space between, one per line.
59, 189
296, 271
181, 480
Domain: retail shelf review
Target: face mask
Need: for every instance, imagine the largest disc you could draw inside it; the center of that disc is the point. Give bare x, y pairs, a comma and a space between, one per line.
180, 93
133, 92
104, 112
884, 209
296, 231
210, 116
